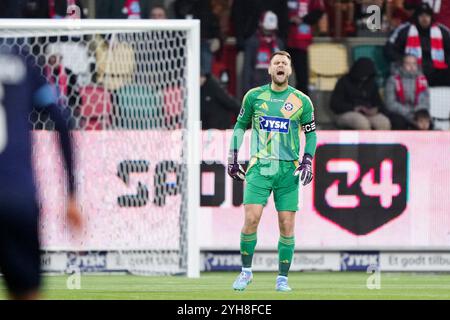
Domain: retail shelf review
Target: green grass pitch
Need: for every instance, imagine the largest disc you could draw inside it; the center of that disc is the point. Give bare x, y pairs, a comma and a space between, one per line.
217, 286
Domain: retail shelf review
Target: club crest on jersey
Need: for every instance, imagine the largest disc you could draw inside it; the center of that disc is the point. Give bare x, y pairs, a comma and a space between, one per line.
288, 106
274, 124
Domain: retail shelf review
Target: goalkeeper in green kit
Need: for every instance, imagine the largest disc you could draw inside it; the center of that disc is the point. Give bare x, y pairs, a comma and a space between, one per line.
278, 113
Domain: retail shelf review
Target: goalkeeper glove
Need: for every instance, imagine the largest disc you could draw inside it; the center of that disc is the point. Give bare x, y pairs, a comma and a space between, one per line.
235, 170
305, 170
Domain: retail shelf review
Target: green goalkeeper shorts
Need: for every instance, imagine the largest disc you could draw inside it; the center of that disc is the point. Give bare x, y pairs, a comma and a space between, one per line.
264, 176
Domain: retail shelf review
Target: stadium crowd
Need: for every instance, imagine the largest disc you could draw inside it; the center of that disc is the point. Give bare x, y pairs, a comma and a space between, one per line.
239, 36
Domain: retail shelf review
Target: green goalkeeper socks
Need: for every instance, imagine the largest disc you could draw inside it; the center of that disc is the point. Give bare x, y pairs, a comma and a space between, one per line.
285, 253
248, 244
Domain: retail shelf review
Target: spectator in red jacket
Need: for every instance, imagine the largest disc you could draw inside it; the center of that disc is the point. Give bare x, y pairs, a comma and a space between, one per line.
246, 14
258, 50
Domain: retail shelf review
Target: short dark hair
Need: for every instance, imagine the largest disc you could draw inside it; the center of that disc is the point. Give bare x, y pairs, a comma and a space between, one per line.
422, 113
281, 53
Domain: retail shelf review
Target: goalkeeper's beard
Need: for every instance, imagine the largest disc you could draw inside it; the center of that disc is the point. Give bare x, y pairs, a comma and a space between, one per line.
280, 83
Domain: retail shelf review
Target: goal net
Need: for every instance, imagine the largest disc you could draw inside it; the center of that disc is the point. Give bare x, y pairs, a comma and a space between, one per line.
130, 92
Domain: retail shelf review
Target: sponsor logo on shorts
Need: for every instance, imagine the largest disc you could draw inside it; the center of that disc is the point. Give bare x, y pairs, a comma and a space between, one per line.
274, 124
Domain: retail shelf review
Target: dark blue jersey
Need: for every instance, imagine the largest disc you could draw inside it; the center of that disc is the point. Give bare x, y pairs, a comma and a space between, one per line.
22, 88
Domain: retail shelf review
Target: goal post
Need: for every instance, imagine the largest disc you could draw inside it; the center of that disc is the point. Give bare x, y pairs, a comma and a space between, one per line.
194, 127
131, 91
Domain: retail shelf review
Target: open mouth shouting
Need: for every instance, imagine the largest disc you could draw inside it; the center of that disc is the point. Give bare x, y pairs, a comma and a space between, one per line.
280, 76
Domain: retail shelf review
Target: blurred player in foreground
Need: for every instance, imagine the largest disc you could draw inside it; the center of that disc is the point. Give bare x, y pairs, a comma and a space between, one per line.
22, 88
277, 112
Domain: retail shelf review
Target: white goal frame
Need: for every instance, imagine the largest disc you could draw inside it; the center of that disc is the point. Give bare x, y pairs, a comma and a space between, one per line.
40, 27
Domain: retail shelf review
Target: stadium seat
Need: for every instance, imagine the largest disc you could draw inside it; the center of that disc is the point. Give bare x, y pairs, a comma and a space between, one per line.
173, 107
95, 108
115, 64
374, 52
138, 107
440, 107
323, 114
327, 63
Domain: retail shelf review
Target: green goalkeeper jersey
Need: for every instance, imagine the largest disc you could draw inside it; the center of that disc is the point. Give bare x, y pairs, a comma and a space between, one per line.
277, 118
